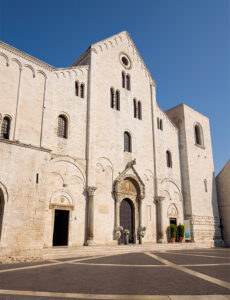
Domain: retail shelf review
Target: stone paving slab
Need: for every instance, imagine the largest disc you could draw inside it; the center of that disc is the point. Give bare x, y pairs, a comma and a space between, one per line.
219, 272
108, 280
129, 259
182, 259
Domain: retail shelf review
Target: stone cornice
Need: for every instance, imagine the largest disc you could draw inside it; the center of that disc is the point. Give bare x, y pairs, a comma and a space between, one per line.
24, 145
26, 56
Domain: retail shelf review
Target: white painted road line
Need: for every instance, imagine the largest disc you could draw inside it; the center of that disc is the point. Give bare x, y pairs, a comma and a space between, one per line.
191, 272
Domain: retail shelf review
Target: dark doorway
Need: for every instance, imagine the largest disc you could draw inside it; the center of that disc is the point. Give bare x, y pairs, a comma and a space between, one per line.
61, 228
173, 221
127, 220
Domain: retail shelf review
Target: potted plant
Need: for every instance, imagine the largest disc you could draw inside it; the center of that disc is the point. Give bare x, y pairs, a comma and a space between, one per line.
172, 231
126, 233
140, 234
181, 230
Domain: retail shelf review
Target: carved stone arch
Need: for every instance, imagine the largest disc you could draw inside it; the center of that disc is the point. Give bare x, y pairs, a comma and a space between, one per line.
4, 192
18, 62
130, 174
31, 68
43, 73
75, 72
100, 47
165, 192
115, 39
60, 176
165, 180
57, 75
120, 38
68, 160
110, 42
106, 46
82, 72
63, 74
172, 211
68, 72
128, 185
6, 58
62, 199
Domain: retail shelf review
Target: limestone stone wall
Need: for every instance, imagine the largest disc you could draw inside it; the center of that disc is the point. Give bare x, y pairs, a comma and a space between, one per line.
24, 196
200, 200
223, 192
41, 172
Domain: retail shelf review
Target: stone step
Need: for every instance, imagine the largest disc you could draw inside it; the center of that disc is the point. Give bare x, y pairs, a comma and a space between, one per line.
65, 252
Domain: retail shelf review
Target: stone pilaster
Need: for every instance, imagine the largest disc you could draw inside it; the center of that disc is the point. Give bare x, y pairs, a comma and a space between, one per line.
90, 216
160, 225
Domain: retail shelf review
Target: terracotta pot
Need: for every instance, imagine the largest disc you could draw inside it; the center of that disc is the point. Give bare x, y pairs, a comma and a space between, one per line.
172, 240
181, 239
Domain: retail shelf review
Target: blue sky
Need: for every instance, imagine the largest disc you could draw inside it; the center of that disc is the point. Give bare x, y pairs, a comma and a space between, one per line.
184, 43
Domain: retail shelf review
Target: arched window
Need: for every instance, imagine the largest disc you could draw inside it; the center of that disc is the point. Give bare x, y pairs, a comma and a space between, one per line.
82, 90
76, 88
128, 83
5, 130
135, 108
62, 126
117, 100
158, 123
139, 110
198, 135
169, 159
127, 142
112, 98
123, 79
161, 124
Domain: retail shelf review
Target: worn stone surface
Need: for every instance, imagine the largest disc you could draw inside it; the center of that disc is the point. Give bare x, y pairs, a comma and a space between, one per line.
41, 172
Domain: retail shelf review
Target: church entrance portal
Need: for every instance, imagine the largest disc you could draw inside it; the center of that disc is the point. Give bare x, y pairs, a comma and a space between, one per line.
61, 228
127, 220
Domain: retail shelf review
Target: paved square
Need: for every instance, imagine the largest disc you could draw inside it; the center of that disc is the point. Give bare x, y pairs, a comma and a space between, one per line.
149, 275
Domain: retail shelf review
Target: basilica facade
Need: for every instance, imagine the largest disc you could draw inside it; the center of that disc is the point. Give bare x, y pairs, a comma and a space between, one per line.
86, 152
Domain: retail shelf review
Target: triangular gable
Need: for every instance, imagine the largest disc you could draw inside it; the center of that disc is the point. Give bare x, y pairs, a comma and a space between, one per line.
130, 172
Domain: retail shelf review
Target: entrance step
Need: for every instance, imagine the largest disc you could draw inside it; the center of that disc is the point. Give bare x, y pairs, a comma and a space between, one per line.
74, 251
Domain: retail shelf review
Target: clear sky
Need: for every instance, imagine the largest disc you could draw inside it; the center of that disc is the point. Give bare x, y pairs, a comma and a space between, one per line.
184, 43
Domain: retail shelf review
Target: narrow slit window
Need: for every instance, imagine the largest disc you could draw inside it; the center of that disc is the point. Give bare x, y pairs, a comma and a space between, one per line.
76, 88
135, 108
117, 100
128, 83
139, 110
82, 90
123, 79
112, 98
169, 159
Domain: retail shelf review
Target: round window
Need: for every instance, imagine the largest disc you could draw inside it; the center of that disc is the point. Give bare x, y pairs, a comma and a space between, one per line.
125, 60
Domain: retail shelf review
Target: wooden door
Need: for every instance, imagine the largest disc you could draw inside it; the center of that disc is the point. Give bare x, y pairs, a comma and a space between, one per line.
127, 220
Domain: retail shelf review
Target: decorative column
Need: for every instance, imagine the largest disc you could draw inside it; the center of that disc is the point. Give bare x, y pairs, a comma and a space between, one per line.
160, 227
140, 200
90, 216
118, 228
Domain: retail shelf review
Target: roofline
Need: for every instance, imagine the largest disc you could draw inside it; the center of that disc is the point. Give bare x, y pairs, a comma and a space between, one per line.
183, 105
228, 162
27, 56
